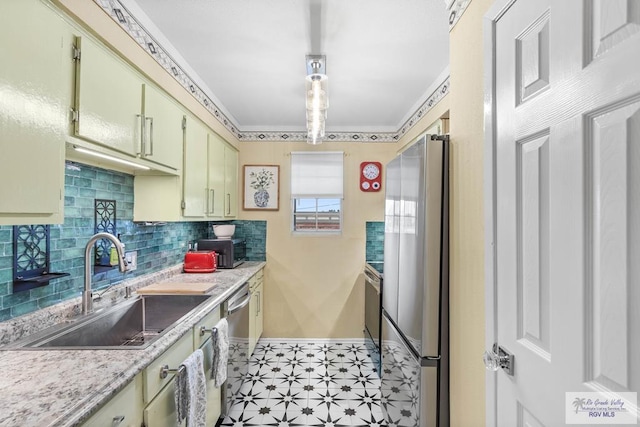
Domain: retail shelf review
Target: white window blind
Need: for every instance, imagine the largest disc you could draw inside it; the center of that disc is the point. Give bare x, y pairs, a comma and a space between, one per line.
317, 174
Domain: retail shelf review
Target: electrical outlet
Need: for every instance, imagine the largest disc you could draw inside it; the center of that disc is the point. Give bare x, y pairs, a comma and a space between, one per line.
132, 260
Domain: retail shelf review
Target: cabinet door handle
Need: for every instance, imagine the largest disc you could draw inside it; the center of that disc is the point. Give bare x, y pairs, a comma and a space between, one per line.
142, 134
228, 203
258, 303
212, 193
117, 420
206, 197
150, 136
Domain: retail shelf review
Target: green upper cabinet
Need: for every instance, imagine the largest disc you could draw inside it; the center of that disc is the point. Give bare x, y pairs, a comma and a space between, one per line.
108, 99
210, 174
162, 132
217, 149
118, 108
231, 182
223, 178
209, 181
195, 186
36, 88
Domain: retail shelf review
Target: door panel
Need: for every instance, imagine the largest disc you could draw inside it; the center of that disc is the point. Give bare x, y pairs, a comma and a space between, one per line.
534, 322
567, 203
412, 238
391, 238
613, 209
612, 22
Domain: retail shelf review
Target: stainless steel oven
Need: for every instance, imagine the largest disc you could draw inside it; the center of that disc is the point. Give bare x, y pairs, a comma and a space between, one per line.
372, 311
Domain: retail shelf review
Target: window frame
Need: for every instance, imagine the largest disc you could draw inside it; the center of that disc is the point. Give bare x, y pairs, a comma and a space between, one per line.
316, 231
311, 187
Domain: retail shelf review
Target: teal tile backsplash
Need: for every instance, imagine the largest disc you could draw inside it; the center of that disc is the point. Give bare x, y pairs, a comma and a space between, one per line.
375, 241
158, 246
255, 234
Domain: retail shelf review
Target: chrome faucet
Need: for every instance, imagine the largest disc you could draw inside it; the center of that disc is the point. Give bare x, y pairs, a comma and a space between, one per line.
87, 299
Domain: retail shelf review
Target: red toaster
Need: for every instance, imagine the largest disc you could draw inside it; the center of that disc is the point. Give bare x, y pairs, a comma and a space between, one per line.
200, 262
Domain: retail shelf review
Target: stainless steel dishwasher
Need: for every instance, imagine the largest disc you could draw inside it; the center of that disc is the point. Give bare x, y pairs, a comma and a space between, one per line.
373, 311
236, 310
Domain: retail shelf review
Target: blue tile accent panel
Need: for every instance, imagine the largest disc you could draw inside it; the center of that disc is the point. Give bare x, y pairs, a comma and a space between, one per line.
375, 241
158, 246
254, 232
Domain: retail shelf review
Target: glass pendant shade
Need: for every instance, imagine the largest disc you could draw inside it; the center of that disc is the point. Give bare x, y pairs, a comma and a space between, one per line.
317, 104
316, 98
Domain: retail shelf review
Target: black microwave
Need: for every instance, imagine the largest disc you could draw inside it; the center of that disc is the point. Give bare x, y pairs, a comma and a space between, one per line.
230, 252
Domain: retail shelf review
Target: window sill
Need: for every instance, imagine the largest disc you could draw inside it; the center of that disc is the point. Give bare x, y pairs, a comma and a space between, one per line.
317, 233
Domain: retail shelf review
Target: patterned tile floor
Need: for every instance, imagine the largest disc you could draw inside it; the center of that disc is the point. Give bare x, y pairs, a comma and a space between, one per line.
315, 384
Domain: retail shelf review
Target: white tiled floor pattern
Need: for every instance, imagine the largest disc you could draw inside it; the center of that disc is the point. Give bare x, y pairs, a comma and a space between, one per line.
324, 384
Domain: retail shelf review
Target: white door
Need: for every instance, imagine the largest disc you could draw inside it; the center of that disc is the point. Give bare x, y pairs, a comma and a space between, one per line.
566, 203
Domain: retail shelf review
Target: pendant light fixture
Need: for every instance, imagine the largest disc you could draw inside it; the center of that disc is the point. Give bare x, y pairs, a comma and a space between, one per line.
316, 99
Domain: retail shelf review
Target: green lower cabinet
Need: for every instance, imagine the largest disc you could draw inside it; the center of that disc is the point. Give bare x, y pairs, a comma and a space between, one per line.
256, 309
161, 412
123, 410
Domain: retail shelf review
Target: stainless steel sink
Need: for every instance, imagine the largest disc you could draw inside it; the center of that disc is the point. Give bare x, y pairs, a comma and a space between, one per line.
131, 324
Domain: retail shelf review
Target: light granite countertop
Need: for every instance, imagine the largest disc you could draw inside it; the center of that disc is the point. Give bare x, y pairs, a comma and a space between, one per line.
65, 387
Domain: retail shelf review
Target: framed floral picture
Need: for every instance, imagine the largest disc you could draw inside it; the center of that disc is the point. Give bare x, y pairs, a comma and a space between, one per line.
261, 189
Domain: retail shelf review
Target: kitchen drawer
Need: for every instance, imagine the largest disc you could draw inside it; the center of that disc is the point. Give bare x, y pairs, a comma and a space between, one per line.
256, 279
209, 321
123, 410
161, 412
173, 357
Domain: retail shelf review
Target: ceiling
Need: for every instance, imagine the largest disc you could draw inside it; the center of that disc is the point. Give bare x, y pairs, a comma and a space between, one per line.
383, 57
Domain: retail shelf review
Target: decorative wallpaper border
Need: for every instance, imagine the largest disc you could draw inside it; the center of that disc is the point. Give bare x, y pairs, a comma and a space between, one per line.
431, 101
119, 13
128, 23
456, 10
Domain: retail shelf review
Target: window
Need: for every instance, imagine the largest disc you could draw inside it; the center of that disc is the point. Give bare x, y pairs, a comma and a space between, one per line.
317, 191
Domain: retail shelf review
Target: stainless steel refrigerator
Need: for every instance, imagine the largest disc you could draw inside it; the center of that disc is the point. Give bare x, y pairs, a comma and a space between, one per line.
415, 297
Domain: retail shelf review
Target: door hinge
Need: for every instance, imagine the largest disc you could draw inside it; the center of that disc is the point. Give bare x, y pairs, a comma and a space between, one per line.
184, 123
75, 115
75, 53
